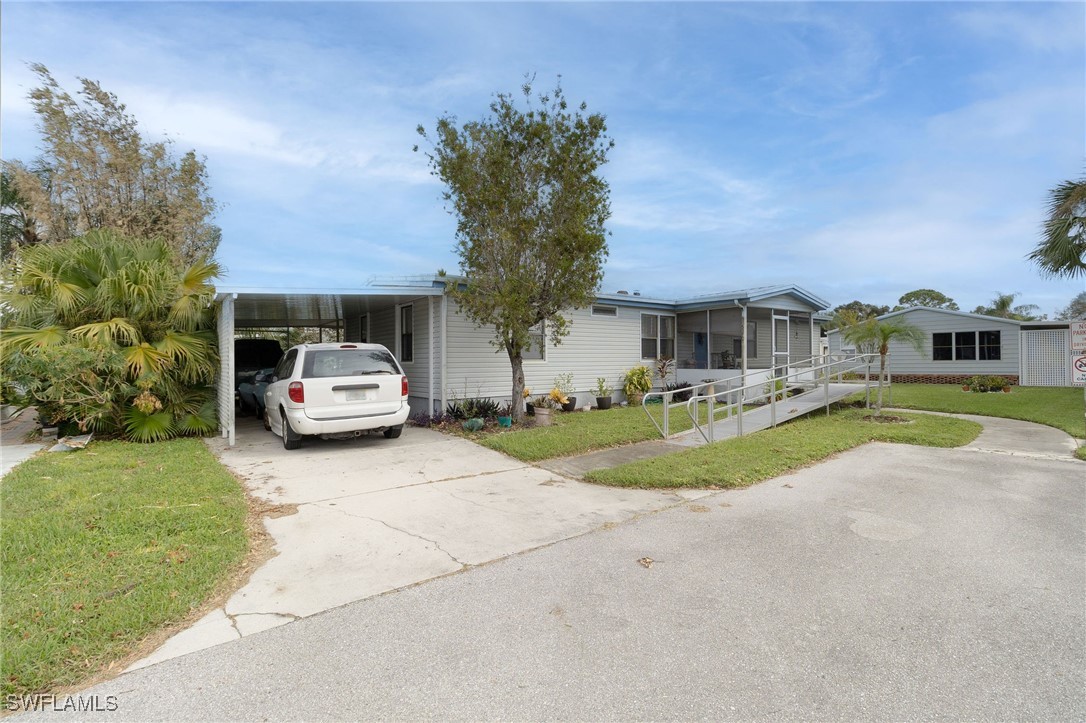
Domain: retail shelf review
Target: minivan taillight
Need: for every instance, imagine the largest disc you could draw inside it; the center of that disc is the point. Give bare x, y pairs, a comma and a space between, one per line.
403, 386
296, 392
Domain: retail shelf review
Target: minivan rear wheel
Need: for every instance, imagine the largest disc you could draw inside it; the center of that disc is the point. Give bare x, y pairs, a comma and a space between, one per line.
291, 439
393, 432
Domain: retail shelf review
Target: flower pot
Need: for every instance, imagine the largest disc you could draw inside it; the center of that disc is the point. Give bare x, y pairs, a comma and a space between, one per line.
603, 402
1007, 389
571, 405
543, 416
474, 424
965, 387
635, 398
505, 422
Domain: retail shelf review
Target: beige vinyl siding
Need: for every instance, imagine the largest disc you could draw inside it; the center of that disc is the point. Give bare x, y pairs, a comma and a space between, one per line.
906, 360
596, 346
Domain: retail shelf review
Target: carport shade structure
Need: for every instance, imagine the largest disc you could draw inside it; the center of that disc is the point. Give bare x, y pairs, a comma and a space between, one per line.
348, 313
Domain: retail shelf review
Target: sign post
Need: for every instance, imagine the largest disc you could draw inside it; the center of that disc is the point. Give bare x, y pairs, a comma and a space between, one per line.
1078, 355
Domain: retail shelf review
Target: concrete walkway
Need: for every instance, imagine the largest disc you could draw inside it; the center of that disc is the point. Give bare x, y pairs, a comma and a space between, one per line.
1002, 436
357, 518
13, 445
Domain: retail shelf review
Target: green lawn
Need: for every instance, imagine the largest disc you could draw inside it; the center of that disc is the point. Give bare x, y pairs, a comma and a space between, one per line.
1059, 407
103, 546
580, 432
745, 460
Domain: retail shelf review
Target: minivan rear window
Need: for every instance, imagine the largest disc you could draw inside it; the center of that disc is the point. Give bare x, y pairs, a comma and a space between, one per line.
320, 363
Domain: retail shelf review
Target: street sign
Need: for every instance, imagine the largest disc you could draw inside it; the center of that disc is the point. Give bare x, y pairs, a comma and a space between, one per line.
1078, 335
1078, 369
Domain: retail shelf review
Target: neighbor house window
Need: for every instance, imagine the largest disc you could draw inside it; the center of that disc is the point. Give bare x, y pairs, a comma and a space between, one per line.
657, 336
966, 346
407, 338
537, 348
604, 311
942, 346
988, 345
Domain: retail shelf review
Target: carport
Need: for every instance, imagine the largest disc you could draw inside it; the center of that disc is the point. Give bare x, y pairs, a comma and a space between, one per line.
373, 314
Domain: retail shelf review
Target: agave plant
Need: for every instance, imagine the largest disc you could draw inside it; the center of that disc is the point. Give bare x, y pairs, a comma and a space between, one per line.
132, 328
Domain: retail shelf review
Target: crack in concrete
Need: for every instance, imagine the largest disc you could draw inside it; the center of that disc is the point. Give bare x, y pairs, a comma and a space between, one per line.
1028, 455
435, 543
503, 510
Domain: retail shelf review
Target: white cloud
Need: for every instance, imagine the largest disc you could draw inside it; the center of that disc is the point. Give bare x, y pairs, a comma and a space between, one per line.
1035, 26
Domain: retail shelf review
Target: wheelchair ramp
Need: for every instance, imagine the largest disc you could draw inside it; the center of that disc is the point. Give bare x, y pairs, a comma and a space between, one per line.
762, 417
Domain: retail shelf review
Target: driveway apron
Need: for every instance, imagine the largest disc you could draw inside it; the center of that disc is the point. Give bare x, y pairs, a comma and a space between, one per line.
356, 518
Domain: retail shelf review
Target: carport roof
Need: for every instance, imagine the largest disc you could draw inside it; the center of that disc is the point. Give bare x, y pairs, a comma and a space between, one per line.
315, 307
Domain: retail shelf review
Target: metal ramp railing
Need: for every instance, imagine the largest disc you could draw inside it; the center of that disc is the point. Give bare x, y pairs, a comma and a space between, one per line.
797, 383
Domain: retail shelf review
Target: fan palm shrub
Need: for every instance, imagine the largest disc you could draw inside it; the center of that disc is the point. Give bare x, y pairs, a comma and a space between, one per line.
114, 335
873, 336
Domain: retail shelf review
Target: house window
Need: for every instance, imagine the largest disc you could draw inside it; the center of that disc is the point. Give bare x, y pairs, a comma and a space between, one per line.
657, 336
407, 343
752, 342
942, 346
988, 345
604, 311
965, 345
364, 329
537, 348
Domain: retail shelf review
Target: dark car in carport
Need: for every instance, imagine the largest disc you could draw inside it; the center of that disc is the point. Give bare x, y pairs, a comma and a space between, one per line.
252, 356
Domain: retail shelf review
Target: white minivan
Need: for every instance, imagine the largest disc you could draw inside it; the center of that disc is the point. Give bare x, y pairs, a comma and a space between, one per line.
335, 391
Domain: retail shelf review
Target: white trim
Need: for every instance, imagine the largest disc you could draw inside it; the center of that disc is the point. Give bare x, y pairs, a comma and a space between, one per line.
430, 355
444, 351
641, 337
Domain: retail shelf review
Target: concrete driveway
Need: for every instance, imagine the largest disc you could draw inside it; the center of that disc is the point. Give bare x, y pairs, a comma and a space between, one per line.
889, 583
364, 516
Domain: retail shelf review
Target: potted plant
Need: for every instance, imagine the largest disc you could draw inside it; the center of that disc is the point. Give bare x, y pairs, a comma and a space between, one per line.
636, 383
564, 384
603, 394
542, 411
529, 404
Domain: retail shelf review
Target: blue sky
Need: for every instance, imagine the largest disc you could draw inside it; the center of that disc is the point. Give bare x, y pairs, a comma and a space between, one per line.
860, 150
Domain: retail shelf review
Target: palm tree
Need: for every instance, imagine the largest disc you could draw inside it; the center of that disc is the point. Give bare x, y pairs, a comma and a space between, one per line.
1003, 307
141, 322
870, 333
1062, 249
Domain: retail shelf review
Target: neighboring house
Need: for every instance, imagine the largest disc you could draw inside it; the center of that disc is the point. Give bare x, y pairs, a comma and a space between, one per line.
958, 345
718, 336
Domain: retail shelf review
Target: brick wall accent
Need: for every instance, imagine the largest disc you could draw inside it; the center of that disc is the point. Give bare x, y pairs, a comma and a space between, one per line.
1012, 379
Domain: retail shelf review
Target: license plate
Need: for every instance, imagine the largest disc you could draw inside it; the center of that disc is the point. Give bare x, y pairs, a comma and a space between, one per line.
357, 395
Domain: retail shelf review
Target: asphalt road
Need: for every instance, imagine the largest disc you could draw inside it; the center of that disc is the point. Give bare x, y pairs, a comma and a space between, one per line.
891, 582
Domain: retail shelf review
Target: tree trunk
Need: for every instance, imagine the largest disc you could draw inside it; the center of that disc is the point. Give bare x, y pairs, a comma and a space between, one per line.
516, 361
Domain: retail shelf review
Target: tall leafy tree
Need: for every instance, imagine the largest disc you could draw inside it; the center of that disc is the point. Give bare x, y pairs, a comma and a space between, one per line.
113, 335
1062, 249
929, 298
531, 204
17, 227
852, 311
96, 171
1076, 309
872, 334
